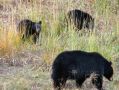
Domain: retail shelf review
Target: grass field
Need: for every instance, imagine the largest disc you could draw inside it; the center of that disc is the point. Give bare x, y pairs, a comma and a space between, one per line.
28, 67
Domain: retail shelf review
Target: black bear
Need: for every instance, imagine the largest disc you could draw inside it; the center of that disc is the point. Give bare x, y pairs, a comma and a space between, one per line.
79, 19
27, 28
79, 65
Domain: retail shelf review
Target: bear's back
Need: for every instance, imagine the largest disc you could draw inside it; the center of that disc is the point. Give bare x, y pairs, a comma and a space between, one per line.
85, 62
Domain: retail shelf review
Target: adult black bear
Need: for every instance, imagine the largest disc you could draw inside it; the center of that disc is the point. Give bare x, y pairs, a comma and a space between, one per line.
27, 28
79, 19
79, 65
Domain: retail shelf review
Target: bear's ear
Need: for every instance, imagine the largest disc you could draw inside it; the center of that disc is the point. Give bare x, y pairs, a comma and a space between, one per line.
40, 22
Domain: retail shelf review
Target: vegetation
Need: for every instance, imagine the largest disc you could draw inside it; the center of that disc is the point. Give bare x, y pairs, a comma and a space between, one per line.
55, 37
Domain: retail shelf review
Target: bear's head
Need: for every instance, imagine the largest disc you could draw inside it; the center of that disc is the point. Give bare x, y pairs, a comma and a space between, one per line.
108, 71
89, 23
37, 26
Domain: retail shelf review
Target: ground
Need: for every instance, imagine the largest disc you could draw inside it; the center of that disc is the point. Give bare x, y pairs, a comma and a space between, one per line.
37, 75
28, 67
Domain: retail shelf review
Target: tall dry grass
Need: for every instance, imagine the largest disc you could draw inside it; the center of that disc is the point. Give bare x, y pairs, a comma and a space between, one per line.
54, 36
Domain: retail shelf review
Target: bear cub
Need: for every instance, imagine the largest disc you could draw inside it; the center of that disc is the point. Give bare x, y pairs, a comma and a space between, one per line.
28, 28
79, 19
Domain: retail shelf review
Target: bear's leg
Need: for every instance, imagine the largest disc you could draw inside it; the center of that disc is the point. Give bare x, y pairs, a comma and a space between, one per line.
80, 81
56, 84
63, 82
97, 81
34, 39
59, 83
23, 38
56, 80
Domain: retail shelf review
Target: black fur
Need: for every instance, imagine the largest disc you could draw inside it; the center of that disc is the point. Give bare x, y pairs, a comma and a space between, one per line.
79, 19
27, 28
79, 65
